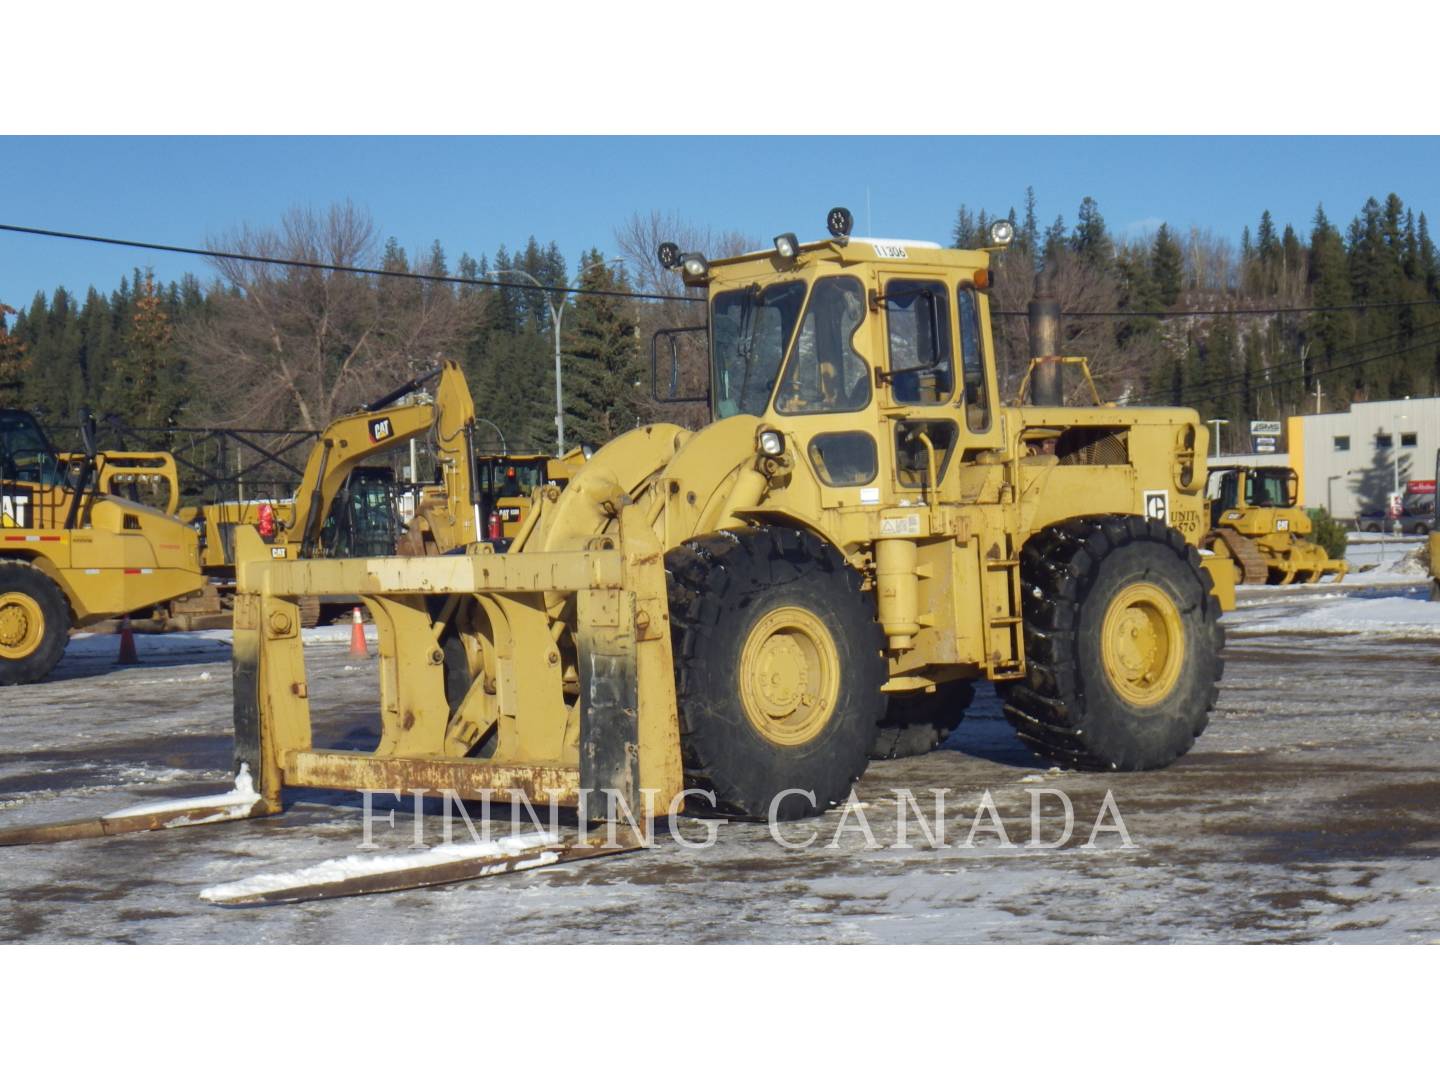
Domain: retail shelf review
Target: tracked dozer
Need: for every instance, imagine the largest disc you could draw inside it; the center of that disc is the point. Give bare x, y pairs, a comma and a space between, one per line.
1255, 522
728, 620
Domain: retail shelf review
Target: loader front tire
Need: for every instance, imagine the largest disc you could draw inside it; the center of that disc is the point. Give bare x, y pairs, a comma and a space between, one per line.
34, 624
778, 669
916, 723
1122, 644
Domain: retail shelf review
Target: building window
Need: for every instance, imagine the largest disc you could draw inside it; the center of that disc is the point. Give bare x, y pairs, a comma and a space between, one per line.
1407, 438
1342, 442
1384, 442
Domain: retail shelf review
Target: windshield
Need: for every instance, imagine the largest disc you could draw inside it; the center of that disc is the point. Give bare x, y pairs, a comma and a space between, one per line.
750, 330
25, 452
509, 478
1267, 487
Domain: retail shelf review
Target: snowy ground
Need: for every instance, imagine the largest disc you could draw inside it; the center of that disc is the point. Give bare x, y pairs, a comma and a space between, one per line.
1310, 811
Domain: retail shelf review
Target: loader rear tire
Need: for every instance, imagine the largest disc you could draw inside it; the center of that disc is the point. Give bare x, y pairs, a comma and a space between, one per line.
1122, 643
34, 624
917, 723
778, 669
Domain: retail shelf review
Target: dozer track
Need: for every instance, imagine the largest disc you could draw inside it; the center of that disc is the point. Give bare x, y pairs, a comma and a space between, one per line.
1254, 570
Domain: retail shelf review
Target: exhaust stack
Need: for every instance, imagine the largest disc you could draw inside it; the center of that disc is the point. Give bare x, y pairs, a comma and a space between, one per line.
1047, 386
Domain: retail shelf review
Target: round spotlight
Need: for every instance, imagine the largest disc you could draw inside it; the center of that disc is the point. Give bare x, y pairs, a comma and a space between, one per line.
694, 265
839, 221
1001, 232
669, 255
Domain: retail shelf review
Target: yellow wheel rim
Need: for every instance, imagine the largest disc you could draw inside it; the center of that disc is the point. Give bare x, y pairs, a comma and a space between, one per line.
789, 676
1142, 644
22, 625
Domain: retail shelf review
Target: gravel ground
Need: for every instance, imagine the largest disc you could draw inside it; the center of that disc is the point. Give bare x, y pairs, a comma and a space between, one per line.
1310, 811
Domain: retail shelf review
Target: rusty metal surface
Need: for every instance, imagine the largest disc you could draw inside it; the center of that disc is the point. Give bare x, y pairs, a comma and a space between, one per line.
94, 828
523, 572
424, 877
469, 778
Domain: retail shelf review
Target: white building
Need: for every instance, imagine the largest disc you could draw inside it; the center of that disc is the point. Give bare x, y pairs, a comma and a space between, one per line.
1349, 462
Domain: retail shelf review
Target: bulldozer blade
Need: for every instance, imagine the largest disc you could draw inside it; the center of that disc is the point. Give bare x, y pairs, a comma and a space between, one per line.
237, 804
354, 876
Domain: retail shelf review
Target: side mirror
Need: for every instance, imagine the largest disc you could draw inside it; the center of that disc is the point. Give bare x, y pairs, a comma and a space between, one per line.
671, 337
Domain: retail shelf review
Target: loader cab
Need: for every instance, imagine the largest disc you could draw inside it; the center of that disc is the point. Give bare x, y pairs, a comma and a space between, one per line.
505, 483
874, 356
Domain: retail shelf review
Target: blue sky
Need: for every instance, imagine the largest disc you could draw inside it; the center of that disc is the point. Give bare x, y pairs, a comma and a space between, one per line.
475, 193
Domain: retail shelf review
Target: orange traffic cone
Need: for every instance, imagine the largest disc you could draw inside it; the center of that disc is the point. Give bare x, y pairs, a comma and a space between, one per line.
127, 644
357, 636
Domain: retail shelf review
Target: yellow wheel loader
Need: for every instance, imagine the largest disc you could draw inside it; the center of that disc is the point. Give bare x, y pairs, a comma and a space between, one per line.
509, 484
1254, 522
72, 553
726, 620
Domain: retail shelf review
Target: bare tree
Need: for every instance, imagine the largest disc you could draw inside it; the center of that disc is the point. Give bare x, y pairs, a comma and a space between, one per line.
639, 239
283, 346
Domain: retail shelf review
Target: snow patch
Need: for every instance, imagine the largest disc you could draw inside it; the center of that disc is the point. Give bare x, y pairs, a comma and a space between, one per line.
1385, 616
352, 866
235, 803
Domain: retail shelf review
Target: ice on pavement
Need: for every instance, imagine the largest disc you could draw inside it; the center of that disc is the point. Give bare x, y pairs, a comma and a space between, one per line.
179, 644
235, 803
353, 866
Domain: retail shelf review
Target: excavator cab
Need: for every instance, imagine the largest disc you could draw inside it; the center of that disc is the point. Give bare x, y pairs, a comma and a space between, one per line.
364, 519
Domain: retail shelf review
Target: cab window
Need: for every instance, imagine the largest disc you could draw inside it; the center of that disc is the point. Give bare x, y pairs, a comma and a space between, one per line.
825, 373
750, 329
972, 363
917, 323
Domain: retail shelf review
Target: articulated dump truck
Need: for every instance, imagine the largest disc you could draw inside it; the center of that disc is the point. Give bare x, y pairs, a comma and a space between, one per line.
735, 619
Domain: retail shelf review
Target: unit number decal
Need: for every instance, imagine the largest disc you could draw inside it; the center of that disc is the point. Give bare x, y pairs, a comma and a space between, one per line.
890, 251
1157, 505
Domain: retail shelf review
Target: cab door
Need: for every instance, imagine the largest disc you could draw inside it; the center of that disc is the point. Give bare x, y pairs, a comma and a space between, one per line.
919, 381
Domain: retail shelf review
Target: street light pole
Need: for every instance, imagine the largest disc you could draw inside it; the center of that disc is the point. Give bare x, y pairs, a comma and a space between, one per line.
504, 449
557, 313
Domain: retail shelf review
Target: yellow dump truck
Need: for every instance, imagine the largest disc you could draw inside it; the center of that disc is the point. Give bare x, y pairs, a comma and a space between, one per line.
72, 553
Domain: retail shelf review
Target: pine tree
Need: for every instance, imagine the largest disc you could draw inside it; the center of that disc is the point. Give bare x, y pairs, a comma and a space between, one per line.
1055, 241
1167, 267
1028, 240
1091, 242
604, 375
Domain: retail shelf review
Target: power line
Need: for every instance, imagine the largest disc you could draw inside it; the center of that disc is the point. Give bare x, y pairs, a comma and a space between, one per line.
1228, 311
306, 265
